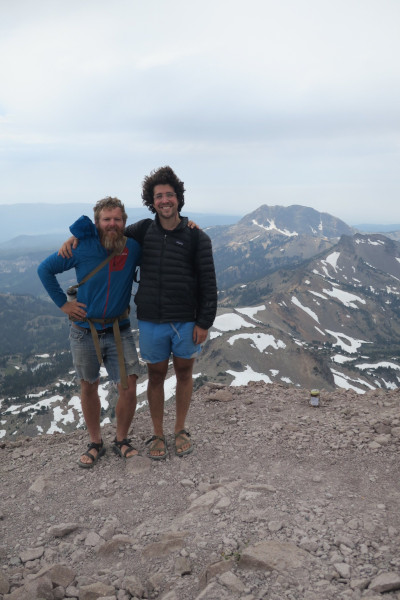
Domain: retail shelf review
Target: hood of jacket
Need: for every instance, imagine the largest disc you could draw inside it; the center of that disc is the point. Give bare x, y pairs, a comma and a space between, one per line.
84, 228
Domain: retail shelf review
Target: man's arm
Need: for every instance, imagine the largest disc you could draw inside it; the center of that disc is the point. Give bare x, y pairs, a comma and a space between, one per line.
66, 250
137, 231
47, 271
206, 286
199, 335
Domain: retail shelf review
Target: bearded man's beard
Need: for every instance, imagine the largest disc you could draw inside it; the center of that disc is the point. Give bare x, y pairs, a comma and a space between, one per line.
112, 240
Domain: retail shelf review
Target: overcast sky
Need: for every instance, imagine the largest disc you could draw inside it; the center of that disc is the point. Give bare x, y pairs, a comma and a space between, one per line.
251, 102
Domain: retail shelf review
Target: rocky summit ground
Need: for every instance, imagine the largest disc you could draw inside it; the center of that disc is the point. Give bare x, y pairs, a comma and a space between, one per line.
280, 500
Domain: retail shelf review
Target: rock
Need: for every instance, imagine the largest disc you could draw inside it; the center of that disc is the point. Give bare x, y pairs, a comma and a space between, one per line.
275, 525
187, 483
115, 544
273, 555
40, 588
31, 554
60, 575
134, 586
40, 485
170, 596
205, 501
213, 570
221, 396
92, 539
232, 582
63, 529
182, 566
58, 593
374, 445
383, 439
19, 594
343, 569
386, 582
94, 591
214, 591
138, 464
4, 584
158, 549
359, 584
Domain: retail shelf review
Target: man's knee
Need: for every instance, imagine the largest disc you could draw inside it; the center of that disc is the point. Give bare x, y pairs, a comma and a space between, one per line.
130, 391
183, 368
89, 385
157, 372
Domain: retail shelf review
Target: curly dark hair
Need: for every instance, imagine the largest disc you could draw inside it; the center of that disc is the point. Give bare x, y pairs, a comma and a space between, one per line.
162, 176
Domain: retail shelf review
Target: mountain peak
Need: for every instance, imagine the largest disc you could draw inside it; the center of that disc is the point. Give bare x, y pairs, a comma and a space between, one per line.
297, 220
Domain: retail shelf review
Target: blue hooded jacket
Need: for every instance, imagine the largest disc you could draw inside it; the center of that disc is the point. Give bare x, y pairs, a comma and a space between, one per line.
107, 294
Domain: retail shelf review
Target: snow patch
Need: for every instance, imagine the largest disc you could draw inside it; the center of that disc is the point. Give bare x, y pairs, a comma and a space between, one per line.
230, 322
244, 377
347, 343
272, 227
307, 310
259, 340
332, 260
251, 311
378, 365
345, 297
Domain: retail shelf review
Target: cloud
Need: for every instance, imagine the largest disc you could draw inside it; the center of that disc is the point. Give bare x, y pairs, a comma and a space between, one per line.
292, 102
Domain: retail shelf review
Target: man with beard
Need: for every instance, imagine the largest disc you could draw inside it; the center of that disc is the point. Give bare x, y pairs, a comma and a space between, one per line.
100, 327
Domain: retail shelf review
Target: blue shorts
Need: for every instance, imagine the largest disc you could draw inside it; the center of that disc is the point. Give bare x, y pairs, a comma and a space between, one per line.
85, 358
158, 340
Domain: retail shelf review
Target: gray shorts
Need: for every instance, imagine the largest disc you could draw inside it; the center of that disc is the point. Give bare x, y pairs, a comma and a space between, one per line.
85, 358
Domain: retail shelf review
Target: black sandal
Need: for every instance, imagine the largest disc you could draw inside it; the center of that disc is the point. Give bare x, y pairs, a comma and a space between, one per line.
116, 446
100, 452
155, 439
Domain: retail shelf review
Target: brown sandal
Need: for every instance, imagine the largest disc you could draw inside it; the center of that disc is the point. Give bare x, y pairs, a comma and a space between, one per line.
184, 438
155, 443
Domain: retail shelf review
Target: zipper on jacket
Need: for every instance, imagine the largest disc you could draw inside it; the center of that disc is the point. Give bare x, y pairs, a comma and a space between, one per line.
110, 270
163, 248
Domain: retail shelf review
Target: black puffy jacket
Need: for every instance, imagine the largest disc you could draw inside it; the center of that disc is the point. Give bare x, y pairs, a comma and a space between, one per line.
177, 274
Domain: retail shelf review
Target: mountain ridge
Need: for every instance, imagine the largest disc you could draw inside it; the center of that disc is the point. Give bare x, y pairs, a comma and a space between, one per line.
328, 319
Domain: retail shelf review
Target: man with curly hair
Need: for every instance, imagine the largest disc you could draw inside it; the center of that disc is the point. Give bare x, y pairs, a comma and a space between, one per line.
176, 301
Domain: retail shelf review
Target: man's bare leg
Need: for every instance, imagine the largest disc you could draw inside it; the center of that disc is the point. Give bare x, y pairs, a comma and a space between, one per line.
90, 402
155, 395
125, 411
183, 395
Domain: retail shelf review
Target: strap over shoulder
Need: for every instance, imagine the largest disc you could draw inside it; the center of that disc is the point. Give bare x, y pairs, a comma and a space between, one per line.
99, 267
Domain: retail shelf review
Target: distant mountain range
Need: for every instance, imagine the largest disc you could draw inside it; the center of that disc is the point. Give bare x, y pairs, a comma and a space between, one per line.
376, 228
304, 300
53, 220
